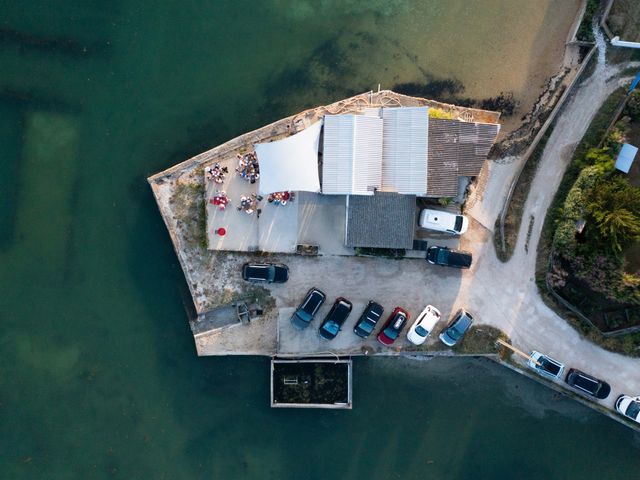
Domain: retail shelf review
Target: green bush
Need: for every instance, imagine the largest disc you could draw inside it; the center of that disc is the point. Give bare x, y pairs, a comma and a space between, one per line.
573, 210
585, 32
633, 106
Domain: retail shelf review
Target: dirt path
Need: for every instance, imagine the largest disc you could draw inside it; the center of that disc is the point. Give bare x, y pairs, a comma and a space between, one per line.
505, 295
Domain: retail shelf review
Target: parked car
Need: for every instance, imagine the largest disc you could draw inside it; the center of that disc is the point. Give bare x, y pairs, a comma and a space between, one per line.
629, 407
265, 272
457, 327
368, 320
545, 365
394, 325
443, 221
447, 257
332, 323
308, 308
588, 384
423, 325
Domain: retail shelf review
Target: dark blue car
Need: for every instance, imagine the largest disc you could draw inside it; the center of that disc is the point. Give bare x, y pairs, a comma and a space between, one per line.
332, 323
368, 320
308, 308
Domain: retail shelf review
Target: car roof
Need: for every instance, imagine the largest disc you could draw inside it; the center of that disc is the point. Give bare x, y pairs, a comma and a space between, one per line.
438, 217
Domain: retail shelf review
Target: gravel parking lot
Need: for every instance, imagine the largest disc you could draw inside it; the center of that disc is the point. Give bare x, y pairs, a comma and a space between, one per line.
409, 283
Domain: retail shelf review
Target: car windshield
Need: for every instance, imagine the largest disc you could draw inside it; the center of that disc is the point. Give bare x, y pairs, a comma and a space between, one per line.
391, 332
270, 274
367, 325
633, 409
549, 366
454, 333
458, 226
331, 327
443, 254
421, 331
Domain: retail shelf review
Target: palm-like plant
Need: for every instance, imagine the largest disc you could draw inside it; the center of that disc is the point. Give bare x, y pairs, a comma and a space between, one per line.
615, 206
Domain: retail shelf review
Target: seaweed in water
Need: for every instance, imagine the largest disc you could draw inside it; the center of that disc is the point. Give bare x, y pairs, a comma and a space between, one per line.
503, 103
443, 90
64, 45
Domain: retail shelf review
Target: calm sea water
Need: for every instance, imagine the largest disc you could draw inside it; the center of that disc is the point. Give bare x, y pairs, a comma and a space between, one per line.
99, 377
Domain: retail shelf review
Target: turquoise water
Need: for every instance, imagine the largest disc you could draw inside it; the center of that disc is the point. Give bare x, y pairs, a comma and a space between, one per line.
99, 376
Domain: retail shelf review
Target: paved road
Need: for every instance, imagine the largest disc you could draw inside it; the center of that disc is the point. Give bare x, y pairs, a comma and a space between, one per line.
505, 295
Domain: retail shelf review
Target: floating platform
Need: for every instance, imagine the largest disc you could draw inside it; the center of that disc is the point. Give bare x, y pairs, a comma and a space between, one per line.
311, 383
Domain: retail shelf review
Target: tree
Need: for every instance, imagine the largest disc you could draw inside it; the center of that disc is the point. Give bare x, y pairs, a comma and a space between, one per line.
615, 207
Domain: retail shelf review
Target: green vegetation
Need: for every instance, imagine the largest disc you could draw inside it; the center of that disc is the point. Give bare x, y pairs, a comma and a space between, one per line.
439, 113
591, 139
393, 253
585, 32
593, 221
615, 207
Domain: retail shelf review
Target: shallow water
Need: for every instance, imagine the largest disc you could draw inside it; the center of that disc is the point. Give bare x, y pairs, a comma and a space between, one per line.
99, 374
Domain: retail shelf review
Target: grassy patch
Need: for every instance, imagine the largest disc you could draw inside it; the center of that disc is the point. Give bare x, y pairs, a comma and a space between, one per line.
481, 339
189, 208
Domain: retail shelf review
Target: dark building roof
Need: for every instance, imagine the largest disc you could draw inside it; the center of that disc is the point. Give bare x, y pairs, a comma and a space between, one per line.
456, 149
383, 220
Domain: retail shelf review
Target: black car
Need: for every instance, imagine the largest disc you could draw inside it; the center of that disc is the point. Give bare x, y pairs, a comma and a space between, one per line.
335, 318
308, 308
368, 320
447, 257
588, 384
265, 272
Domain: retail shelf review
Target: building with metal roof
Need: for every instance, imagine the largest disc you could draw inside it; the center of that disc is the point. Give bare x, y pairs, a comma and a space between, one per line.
352, 155
456, 149
404, 150
383, 220
626, 157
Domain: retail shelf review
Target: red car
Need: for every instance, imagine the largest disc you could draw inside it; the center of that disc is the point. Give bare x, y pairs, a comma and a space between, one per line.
394, 325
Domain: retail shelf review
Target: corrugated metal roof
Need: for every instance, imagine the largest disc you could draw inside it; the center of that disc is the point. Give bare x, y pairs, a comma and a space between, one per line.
383, 220
456, 149
352, 156
404, 150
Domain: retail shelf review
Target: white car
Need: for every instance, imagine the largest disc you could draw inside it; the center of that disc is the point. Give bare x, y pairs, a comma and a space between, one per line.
629, 407
443, 221
545, 365
423, 325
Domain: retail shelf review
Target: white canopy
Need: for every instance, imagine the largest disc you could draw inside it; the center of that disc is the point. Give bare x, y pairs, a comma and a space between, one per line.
290, 164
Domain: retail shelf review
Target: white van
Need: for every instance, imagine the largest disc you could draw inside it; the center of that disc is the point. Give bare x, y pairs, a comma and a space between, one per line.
443, 221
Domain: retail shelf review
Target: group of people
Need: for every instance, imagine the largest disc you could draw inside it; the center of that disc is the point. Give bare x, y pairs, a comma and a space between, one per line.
219, 199
248, 204
281, 198
248, 167
216, 173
